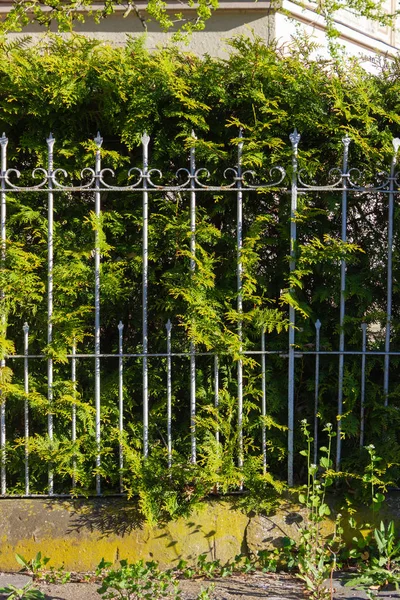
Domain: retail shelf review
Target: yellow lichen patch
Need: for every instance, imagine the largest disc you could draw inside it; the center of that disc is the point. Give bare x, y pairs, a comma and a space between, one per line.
78, 534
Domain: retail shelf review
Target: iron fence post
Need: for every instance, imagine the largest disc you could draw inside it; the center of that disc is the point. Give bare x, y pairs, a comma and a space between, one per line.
26, 405
389, 288
3, 469
239, 245
97, 342
50, 263
343, 268
294, 139
145, 283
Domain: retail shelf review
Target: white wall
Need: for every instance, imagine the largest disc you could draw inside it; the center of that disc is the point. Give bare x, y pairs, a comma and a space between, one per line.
359, 36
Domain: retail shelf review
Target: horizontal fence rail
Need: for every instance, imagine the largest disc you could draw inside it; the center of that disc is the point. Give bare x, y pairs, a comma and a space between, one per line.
202, 364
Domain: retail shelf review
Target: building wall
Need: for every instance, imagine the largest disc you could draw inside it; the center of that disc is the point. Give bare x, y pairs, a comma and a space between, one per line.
234, 17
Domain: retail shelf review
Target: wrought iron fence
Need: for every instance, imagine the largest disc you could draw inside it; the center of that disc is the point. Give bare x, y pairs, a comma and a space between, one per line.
194, 181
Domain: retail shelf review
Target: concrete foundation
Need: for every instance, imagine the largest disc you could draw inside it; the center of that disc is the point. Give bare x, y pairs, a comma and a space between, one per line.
79, 533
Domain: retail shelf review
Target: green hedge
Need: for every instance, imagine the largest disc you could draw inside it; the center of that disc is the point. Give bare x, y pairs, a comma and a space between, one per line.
76, 87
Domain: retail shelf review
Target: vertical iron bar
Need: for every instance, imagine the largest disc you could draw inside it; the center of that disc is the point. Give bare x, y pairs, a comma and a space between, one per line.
239, 244
316, 396
73, 430
216, 392
145, 265
396, 144
121, 402
3, 473
343, 268
50, 251
26, 405
294, 139
363, 361
192, 270
263, 402
97, 257
168, 327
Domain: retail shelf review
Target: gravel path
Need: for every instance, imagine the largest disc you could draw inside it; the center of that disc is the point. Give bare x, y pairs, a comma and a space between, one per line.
238, 587
343, 592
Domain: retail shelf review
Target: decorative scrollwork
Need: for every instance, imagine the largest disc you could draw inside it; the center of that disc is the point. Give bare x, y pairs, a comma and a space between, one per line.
187, 178
280, 170
207, 175
87, 171
90, 173
354, 175
386, 179
101, 177
36, 173
54, 179
336, 183
17, 174
185, 173
336, 172
247, 174
396, 179
152, 172
261, 186
234, 177
139, 175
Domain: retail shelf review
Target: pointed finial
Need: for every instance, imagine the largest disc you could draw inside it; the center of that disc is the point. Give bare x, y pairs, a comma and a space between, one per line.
240, 145
396, 144
4, 140
25, 327
194, 136
364, 327
145, 139
168, 326
120, 326
317, 324
50, 142
98, 140
346, 141
294, 138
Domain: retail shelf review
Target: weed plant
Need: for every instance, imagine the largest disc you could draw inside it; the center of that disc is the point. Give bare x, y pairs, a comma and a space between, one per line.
380, 566
317, 554
38, 570
28, 592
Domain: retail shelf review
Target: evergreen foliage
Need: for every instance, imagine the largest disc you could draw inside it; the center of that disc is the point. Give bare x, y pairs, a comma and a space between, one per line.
77, 86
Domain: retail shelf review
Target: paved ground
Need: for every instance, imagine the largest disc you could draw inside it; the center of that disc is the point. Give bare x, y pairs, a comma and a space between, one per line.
240, 587
343, 592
